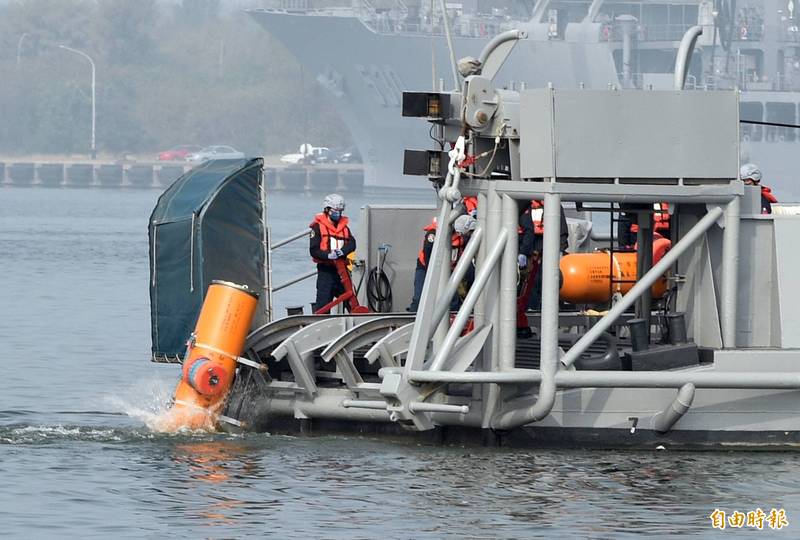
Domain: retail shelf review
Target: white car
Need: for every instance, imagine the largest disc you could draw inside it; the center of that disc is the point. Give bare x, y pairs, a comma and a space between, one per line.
308, 154
215, 152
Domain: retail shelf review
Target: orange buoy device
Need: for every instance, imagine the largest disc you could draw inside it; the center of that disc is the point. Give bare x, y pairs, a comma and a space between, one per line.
587, 276
210, 361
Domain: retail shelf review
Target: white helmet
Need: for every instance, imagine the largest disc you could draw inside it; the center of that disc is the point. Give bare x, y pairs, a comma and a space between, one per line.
464, 224
333, 201
750, 171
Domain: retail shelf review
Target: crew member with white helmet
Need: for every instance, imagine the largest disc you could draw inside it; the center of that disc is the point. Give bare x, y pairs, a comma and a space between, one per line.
331, 239
751, 175
462, 230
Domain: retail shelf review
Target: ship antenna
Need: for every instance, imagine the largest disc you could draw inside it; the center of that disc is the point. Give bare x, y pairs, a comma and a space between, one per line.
433, 50
449, 36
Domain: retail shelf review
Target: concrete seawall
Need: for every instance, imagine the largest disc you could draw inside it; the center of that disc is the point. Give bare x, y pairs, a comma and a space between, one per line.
159, 175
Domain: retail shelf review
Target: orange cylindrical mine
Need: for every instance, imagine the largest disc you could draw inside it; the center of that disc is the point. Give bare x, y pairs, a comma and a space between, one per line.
210, 361
587, 276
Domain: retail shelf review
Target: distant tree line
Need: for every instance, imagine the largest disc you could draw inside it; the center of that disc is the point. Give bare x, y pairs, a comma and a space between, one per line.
167, 73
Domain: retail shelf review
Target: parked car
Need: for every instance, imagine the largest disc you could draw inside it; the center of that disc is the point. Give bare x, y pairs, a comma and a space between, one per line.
179, 153
324, 155
310, 154
349, 155
215, 152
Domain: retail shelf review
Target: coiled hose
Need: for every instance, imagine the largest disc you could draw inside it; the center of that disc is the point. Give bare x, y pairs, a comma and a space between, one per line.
379, 289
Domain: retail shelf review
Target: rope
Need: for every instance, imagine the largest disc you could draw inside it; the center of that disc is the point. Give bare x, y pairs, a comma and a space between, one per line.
775, 124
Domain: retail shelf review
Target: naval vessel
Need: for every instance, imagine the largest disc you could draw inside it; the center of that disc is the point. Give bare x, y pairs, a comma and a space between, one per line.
368, 52
685, 339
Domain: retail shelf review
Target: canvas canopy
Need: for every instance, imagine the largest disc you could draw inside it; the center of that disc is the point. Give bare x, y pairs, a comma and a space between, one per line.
208, 225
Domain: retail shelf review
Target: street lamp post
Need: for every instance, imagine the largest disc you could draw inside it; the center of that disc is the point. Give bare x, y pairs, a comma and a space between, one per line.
19, 46
76, 51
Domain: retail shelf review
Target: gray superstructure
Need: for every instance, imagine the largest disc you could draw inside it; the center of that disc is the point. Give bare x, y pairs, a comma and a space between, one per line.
367, 54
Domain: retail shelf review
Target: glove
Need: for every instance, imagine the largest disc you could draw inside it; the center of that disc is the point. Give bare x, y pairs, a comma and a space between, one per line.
339, 252
333, 255
522, 260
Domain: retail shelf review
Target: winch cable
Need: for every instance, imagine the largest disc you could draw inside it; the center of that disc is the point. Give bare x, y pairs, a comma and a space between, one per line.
774, 124
379, 289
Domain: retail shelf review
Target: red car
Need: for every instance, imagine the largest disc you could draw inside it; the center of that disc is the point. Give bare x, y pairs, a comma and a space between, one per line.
179, 153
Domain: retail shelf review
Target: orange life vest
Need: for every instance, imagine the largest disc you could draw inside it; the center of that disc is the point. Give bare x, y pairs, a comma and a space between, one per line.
471, 204
456, 243
332, 235
660, 218
537, 217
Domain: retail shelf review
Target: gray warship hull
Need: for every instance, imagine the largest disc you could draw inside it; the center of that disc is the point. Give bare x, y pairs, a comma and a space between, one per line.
366, 71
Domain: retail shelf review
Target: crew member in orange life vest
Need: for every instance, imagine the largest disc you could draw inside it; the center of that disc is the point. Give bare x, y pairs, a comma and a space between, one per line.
331, 239
531, 239
462, 228
751, 175
627, 226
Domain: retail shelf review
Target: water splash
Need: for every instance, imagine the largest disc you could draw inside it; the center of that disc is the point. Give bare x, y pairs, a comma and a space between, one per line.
151, 402
147, 400
45, 434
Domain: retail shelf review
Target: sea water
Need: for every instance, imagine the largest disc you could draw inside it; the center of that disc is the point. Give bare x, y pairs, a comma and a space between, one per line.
77, 392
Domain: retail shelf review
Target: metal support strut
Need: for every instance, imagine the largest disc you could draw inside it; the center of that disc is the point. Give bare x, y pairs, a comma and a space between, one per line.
549, 345
469, 302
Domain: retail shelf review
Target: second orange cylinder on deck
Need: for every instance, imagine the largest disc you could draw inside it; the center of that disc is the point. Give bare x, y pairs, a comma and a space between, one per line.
210, 363
587, 277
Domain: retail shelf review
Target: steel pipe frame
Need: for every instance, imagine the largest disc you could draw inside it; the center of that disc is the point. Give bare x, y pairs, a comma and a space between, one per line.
640, 286
479, 312
588, 192
700, 378
490, 69
730, 273
378, 405
596, 193
515, 376
549, 357
508, 286
490, 396
663, 421
335, 405
420, 406
443, 305
324, 407
265, 240
297, 236
644, 261
444, 273
465, 311
479, 393
549, 331
684, 56
421, 334
307, 275
496, 41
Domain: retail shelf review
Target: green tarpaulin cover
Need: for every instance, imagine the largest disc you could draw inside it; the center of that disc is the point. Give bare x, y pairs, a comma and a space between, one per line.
208, 225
